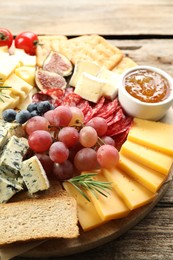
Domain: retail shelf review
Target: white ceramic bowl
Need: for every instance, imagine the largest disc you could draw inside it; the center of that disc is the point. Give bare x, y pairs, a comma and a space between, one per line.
144, 110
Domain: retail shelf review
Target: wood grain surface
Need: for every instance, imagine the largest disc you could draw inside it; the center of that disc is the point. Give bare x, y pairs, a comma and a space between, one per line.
106, 17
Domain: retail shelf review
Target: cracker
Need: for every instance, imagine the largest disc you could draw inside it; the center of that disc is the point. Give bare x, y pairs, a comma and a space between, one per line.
124, 64
92, 48
48, 43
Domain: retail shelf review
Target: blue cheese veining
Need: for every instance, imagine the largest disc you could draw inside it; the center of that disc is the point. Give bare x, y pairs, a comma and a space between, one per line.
34, 175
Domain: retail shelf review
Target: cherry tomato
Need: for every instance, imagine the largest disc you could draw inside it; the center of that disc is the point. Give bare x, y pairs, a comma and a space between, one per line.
27, 41
6, 37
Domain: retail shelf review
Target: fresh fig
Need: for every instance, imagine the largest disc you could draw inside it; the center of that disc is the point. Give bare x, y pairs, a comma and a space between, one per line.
58, 63
46, 79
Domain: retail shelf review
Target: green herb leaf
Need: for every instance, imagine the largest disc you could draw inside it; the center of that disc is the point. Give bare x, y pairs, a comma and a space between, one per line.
86, 182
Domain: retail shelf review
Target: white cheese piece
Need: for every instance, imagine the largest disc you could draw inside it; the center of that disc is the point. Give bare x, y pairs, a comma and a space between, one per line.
27, 74
12, 154
83, 66
24, 58
9, 101
19, 87
110, 89
7, 65
34, 175
3, 136
12, 128
7, 190
89, 87
23, 105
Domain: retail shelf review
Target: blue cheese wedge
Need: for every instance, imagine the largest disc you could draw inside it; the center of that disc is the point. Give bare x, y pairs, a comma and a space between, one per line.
34, 175
8, 189
12, 154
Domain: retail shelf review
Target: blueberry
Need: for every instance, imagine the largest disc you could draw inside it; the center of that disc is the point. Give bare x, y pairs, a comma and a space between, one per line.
43, 107
34, 113
31, 107
23, 116
9, 115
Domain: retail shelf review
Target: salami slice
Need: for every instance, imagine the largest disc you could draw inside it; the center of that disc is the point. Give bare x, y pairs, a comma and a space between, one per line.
120, 139
89, 114
98, 106
71, 99
37, 97
118, 115
83, 105
108, 108
120, 126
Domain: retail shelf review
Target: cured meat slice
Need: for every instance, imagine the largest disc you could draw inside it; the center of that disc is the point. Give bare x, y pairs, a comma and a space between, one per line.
71, 99
108, 108
120, 126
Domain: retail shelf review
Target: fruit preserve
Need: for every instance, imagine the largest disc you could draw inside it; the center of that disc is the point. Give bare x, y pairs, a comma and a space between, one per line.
147, 85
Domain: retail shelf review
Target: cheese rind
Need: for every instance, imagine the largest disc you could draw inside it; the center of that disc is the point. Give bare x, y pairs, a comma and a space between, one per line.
89, 87
87, 214
34, 175
153, 159
83, 66
150, 179
156, 135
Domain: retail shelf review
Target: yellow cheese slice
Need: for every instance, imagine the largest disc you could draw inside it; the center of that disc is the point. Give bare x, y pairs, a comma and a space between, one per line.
149, 178
87, 214
133, 193
9, 101
155, 135
19, 87
153, 159
110, 207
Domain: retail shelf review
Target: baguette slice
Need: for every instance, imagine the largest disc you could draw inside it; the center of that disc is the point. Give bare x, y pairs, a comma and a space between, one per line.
36, 219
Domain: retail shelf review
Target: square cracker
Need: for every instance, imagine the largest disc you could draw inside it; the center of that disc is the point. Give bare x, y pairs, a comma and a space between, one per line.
125, 63
93, 48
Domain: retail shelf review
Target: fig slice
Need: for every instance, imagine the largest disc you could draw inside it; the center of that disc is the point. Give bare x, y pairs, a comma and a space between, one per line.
58, 63
46, 79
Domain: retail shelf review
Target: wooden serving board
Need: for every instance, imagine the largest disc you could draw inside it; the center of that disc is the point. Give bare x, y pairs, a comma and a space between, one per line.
103, 234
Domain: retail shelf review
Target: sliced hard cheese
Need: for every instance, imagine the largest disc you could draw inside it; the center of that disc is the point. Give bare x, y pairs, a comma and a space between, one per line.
149, 178
89, 87
18, 86
110, 89
110, 207
83, 66
153, 159
25, 59
87, 214
133, 193
34, 175
155, 135
9, 100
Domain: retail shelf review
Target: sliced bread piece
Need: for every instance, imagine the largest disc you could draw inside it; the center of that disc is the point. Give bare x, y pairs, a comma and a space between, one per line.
38, 219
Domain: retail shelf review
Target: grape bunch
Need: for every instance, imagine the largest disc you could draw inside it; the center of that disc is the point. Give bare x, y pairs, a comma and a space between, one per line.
64, 144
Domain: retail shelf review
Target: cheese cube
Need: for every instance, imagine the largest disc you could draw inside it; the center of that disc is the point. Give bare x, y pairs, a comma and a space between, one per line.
110, 89
110, 207
7, 190
19, 87
156, 135
7, 66
25, 59
12, 154
150, 179
87, 214
153, 159
89, 87
83, 66
23, 105
27, 74
131, 192
34, 175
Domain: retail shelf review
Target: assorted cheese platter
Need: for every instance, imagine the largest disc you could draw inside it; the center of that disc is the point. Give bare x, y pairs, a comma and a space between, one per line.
70, 145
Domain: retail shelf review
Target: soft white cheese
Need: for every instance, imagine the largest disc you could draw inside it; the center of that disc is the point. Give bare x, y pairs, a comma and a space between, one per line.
7, 190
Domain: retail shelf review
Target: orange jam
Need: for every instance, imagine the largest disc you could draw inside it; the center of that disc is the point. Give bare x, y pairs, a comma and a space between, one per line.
147, 86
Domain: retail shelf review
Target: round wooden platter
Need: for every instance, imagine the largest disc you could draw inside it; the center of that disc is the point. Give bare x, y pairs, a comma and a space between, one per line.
98, 236
103, 234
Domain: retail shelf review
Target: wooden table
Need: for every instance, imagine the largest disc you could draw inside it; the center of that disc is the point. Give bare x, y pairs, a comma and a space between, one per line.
144, 31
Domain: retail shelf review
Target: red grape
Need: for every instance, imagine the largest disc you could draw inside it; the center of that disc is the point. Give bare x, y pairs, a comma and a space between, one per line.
46, 162
77, 116
40, 141
107, 156
62, 116
36, 123
88, 136
99, 124
108, 140
69, 136
58, 152
63, 171
86, 159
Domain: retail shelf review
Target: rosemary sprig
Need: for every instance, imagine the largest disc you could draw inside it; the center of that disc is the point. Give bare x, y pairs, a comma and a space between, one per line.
86, 182
1, 92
